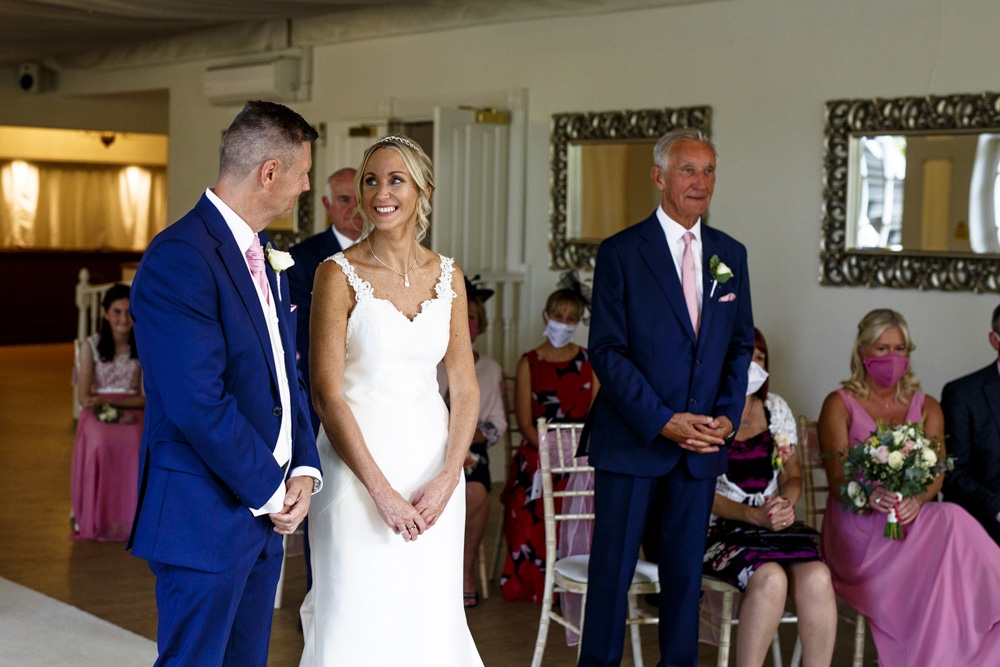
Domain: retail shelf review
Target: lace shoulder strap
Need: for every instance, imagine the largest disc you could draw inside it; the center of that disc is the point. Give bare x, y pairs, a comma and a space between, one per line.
443, 287
362, 288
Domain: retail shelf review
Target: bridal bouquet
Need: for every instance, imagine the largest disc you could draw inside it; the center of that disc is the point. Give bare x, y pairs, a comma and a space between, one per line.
900, 458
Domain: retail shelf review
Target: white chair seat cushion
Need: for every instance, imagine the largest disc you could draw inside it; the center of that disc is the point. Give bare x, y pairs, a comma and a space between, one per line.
574, 568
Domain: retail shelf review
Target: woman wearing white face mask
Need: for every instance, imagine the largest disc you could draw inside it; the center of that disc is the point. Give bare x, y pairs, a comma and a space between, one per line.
760, 490
554, 381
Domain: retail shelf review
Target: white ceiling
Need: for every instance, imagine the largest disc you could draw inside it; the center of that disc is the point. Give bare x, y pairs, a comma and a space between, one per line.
48, 29
89, 33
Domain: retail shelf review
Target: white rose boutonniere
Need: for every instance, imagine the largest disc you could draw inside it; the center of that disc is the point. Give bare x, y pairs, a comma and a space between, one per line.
720, 273
279, 260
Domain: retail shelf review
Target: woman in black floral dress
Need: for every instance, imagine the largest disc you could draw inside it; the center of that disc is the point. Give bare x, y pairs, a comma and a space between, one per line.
761, 488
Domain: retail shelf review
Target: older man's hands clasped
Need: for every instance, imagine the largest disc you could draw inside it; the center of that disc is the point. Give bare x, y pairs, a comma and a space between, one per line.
701, 434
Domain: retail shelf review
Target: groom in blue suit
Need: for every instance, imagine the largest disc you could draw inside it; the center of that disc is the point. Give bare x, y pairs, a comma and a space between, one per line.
671, 340
229, 458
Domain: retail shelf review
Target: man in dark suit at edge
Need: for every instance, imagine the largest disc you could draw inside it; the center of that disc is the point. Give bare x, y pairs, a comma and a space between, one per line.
671, 340
971, 406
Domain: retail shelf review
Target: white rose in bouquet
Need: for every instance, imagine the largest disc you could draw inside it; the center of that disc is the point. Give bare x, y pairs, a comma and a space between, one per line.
857, 494
896, 460
928, 458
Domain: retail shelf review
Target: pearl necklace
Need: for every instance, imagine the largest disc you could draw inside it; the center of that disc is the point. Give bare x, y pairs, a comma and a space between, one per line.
406, 276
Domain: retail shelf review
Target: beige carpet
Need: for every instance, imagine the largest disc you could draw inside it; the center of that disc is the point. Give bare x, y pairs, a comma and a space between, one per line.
37, 630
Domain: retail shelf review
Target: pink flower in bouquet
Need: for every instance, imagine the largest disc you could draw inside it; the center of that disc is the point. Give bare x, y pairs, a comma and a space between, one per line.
882, 454
908, 447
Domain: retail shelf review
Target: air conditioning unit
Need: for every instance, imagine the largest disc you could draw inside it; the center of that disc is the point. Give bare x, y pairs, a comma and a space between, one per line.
274, 81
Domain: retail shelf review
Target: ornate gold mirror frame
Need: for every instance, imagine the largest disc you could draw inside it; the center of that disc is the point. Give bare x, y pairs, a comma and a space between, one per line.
905, 269
609, 126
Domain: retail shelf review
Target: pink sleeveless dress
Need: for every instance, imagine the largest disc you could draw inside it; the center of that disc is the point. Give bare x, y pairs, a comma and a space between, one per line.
932, 598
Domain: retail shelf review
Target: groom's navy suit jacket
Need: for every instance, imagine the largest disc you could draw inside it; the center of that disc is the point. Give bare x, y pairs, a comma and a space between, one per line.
645, 353
971, 406
213, 410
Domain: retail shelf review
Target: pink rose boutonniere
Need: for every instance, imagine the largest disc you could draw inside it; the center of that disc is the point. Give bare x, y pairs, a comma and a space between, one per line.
782, 451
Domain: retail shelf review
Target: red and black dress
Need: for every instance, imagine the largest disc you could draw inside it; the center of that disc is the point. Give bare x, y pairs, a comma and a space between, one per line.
559, 392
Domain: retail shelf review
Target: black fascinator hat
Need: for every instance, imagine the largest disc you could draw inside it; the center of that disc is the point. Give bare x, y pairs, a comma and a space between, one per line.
476, 292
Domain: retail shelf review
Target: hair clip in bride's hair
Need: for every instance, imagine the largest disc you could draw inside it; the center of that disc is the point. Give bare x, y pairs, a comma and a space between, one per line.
393, 138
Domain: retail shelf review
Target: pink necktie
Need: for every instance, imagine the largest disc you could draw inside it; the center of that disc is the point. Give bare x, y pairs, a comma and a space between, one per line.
255, 258
688, 281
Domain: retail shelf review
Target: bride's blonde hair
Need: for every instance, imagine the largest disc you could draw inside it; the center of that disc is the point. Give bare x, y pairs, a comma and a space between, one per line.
871, 326
421, 171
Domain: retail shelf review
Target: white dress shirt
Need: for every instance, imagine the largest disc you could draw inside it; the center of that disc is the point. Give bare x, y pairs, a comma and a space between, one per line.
344, 241
674, 232
283, 447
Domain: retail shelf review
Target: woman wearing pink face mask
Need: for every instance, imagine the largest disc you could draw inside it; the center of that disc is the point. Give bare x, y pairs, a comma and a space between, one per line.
934, 597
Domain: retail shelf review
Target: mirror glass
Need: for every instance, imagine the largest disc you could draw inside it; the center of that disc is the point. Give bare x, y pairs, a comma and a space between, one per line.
600, 175
608, 187
931, 193
910, 193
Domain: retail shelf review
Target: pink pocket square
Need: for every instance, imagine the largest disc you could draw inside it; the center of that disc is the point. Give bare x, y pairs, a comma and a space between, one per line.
727, 297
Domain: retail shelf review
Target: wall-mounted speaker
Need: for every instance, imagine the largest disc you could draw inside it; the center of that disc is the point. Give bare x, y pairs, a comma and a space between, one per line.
30, 77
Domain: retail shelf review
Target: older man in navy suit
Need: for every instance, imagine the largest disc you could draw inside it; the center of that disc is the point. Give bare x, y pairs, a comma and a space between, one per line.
971, 406
671, 340
341, 206
229, 458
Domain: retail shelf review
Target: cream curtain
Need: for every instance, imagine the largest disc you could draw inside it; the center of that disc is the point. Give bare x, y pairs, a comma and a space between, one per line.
82, 207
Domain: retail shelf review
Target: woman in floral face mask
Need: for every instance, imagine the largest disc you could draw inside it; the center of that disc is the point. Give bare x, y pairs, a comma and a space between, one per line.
760, 489
554, 381
932, 598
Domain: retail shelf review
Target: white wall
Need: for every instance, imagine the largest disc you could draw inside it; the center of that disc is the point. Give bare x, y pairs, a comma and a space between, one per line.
765, 66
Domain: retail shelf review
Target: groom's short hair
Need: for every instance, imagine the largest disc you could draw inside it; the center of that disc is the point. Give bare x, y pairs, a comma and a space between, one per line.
260, 132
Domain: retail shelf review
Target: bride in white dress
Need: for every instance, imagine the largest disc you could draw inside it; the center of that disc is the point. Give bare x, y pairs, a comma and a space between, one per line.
387, 528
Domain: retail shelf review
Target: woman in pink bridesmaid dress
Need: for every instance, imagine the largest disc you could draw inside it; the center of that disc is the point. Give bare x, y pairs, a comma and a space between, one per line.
105, 473
934, 597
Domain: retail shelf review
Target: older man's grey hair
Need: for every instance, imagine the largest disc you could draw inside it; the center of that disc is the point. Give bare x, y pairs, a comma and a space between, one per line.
661, 152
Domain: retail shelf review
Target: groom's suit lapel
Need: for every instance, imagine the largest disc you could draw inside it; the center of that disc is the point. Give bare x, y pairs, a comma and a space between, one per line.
281, 308
709, 301
236, 267
656, 253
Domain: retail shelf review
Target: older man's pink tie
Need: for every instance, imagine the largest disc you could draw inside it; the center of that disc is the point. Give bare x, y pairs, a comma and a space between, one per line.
255, 259
688, 279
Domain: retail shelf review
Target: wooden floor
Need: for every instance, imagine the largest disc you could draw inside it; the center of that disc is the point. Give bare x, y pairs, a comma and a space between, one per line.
36, 441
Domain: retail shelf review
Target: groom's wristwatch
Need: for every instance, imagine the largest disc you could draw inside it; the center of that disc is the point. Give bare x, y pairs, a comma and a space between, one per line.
316, 484
729, 438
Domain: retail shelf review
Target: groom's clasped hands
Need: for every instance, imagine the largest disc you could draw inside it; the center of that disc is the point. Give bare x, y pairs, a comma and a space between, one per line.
297, 497
697, 433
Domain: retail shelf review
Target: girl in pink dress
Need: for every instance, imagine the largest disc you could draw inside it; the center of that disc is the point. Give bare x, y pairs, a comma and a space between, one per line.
105, 473
934, 597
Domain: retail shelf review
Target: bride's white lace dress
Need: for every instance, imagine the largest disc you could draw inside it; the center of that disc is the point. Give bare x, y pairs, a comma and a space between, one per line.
375, 599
